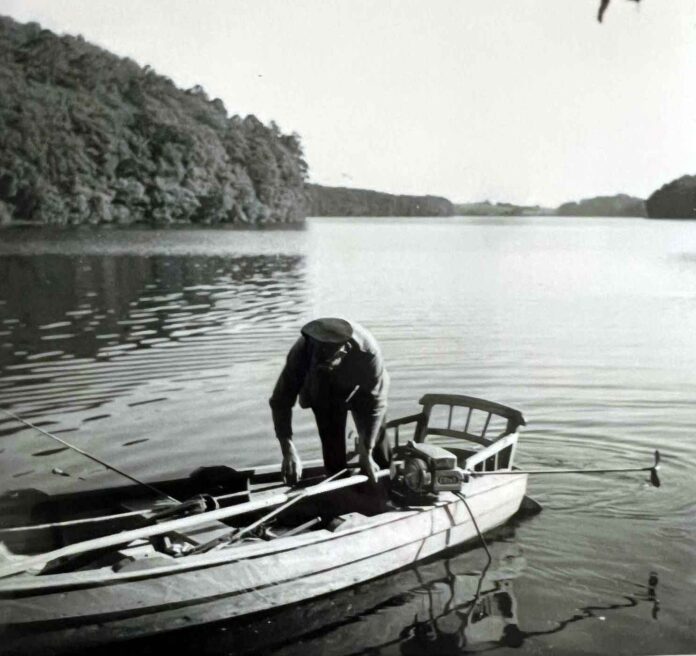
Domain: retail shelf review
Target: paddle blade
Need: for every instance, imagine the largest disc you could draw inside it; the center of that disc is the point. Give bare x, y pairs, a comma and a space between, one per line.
654, 478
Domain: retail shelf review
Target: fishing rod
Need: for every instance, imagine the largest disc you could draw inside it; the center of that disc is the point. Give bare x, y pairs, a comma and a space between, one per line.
152, 488
654, 479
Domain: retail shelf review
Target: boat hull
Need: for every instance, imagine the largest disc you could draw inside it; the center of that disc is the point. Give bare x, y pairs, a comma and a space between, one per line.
53, 612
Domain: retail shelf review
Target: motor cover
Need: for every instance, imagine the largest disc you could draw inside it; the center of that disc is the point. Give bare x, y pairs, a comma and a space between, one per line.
424, 470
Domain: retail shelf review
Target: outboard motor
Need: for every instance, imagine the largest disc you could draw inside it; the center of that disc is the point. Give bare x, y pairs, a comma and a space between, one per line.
419, 472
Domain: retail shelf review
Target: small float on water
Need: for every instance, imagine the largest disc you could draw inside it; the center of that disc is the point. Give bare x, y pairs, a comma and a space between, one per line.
245, 543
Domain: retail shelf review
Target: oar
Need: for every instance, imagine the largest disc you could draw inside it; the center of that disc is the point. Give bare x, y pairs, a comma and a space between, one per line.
120, 539
235, 534
22, 564
325, 486
234, 537
654, 479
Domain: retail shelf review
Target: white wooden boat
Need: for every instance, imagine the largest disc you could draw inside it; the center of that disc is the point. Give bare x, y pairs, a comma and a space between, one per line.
405, 612
107, 578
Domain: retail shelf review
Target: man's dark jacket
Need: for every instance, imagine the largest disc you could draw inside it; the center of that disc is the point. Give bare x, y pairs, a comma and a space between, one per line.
317, 388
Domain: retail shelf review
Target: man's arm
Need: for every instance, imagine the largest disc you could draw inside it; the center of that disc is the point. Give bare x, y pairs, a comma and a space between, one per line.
282, 400
369, 413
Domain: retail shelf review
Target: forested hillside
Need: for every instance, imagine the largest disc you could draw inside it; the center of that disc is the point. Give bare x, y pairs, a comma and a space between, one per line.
88, 137
675, 200
619, 205
342, 201
486, 208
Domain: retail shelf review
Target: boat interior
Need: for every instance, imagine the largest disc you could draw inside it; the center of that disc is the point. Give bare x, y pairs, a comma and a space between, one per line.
482, 435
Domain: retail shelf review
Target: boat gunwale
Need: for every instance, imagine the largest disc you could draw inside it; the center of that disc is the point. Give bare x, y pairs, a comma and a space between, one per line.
28, 583
263, 470
125, 614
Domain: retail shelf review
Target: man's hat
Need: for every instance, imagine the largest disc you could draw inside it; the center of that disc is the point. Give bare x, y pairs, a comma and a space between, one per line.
328, 330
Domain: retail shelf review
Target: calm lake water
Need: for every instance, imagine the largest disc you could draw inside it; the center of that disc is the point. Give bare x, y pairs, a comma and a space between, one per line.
157, 350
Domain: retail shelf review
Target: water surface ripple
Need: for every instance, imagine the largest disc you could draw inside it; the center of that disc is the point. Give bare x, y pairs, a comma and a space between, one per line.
157, 350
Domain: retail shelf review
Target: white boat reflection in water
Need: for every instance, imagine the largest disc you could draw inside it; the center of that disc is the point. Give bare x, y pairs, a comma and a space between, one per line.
440, 607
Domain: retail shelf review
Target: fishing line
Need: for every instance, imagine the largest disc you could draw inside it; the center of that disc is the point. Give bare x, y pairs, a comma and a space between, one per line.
89, 455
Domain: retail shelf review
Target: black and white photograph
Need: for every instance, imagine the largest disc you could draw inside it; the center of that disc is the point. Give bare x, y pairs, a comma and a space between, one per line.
347, 327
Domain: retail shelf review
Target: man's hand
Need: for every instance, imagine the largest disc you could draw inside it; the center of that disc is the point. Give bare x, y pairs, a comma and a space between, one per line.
368, 464
291, 469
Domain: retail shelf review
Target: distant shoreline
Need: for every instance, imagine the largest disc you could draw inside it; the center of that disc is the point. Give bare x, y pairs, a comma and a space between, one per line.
98, 139
30, 226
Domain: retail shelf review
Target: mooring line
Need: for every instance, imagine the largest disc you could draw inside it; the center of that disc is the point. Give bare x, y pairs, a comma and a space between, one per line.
473, 519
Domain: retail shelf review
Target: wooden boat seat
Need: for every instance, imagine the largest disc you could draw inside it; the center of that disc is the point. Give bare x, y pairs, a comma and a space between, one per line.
482, 422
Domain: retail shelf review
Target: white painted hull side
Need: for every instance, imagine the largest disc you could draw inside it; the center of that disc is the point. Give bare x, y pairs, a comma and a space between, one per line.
84, 608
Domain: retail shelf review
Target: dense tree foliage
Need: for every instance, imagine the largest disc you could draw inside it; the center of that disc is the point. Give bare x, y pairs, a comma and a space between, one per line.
619, 205
341, 201
486, 208
675, 200
87, 137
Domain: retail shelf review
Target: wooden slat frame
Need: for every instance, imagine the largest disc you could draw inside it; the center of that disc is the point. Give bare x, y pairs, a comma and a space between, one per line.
448, 432
478, 460
395, 424
422, 430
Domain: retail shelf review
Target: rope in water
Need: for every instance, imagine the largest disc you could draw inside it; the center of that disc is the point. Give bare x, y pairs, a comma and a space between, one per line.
480, 535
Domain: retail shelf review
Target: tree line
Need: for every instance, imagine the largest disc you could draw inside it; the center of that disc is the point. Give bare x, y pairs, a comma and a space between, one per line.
88, 137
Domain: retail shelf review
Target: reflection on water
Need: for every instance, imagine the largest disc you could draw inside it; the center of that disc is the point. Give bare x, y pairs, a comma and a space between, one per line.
157, 350
489, 619
87, 313
100, 328
439, 608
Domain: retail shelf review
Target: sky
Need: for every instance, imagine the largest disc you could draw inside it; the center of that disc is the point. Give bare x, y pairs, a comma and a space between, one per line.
524, 101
